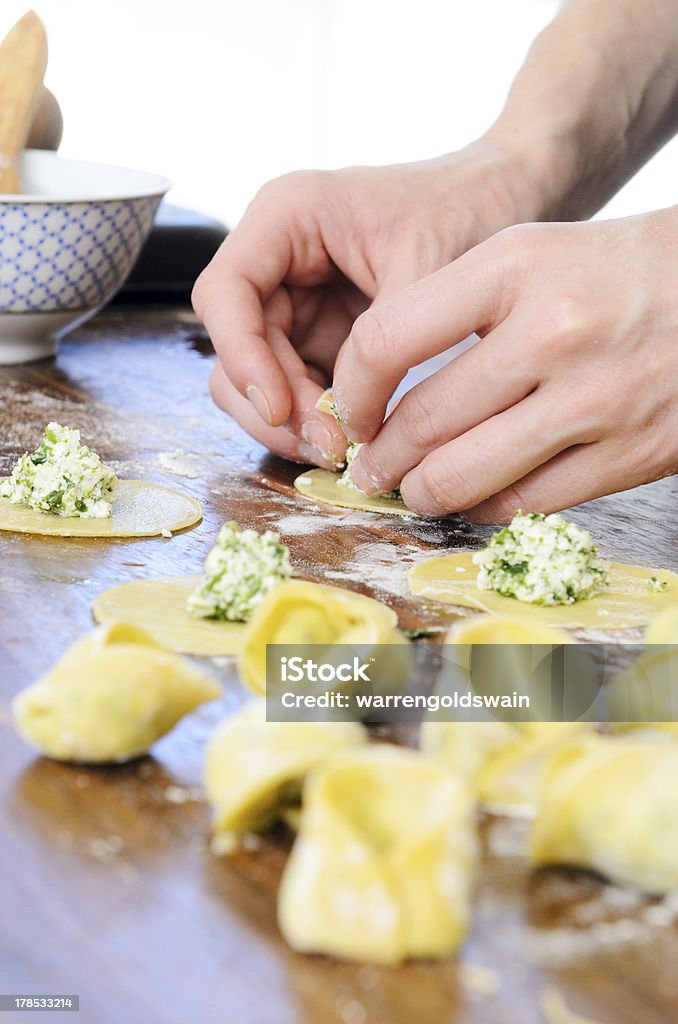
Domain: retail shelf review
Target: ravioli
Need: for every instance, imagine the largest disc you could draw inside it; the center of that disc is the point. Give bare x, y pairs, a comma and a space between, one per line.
383, 866
610, 805
254, 769
503, 762
109, 698
299, 612
323, 486
159, 607
139, 509
664, 627
627, 602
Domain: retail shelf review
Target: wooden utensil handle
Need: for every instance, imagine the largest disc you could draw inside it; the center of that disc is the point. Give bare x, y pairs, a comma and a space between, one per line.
23, 60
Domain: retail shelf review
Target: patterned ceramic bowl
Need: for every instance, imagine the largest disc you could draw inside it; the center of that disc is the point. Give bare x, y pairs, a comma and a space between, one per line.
67, 243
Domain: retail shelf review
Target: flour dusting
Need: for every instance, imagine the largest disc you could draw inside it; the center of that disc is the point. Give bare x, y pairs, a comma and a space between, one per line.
181, 463
382, 566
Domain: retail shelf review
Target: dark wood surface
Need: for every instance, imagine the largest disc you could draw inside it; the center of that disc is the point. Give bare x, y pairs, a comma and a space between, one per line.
107, 888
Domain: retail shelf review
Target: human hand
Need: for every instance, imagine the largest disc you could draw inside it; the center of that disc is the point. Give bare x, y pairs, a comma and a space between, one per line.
572, 392
312, 252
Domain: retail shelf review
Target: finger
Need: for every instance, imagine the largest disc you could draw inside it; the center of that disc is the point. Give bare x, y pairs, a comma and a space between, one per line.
456, 398
579, 474
322, 320
229, 298
305, 421
428, 317
277, 439
490, 457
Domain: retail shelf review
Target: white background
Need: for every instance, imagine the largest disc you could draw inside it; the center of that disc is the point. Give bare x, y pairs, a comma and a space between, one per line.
221, 95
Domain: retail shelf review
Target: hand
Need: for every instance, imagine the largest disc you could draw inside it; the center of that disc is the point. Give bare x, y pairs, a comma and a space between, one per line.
572, 392
312, 252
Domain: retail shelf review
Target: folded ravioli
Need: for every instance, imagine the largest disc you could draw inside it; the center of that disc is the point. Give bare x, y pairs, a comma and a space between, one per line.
503, 762
254, 769
509, 782
610, 805
383, 866
299, 612
109, 698
646, 693
664, 627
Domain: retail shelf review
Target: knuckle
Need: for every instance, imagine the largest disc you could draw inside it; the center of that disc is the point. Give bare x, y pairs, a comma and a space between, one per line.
421, 424
448, 491
199, 293
289, 186
518, 242
568, 321
504, 505
374, 338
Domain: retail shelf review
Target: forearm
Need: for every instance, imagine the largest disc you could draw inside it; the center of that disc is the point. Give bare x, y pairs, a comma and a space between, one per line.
596, 98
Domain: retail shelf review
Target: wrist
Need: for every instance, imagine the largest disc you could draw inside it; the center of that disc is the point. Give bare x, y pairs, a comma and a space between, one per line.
553, 175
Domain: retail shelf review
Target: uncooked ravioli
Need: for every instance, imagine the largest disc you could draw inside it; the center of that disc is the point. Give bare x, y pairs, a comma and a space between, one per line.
321, 485
140, 509
627, 602
159, 608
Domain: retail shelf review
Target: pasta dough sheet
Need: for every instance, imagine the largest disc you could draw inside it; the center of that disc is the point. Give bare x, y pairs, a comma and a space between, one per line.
321, 485
628, 601
159, 607
140, 509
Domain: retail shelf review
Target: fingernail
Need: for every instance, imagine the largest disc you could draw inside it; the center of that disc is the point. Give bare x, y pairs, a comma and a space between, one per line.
361, 478
319, 437
260, 403
309, 453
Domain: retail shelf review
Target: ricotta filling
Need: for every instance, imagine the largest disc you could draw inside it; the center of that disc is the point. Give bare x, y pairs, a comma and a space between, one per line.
326, 404
542, 560
62, 477
242, 567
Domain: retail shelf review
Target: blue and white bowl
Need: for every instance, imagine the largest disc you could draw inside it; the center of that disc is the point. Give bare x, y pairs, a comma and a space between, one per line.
67, 243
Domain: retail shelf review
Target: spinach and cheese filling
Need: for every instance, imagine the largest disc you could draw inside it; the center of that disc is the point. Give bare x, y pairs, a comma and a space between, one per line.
326, 404
242, 567
542, 560
346, 478
62, 476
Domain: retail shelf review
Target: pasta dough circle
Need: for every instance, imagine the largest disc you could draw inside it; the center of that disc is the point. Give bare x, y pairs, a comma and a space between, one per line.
140, 509
159, 608
321, 485
627, 602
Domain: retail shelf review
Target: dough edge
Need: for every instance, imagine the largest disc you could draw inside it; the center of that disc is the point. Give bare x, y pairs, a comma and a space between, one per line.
144, 498
321, 485
628, 603
158, 606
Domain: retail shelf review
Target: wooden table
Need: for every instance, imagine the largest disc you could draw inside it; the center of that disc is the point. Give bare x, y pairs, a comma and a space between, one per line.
107, 887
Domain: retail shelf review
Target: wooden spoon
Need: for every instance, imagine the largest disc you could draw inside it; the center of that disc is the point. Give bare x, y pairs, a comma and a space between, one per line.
23, 60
